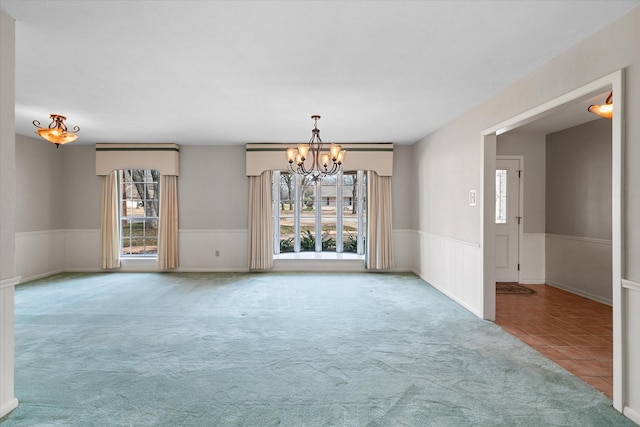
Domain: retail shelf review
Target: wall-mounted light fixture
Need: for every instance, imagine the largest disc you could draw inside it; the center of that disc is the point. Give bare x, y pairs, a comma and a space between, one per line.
603, 110
57, 132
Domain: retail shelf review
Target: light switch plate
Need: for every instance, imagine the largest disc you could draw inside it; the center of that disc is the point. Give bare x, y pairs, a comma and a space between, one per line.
472, 197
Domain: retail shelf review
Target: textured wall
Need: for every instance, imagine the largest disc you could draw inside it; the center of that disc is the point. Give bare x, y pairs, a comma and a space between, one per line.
578, 181
213, 190
39, 189
82, 188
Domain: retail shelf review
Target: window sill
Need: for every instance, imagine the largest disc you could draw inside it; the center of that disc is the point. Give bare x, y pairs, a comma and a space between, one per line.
138, 264
320, 262
324, 256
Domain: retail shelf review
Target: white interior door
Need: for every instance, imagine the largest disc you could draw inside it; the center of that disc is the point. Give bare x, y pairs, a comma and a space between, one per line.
508, 219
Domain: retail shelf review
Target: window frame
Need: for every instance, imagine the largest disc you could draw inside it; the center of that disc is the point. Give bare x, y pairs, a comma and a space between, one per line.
297, 215
124, 200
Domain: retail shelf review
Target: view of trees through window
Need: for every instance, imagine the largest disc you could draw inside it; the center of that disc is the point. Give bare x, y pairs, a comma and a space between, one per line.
139, 204
330, 208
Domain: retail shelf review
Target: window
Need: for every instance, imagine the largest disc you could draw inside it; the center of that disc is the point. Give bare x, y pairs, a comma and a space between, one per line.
501, 196
139, 212
324, 216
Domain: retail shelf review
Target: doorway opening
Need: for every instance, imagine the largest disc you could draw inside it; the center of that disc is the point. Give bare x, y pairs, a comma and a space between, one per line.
549, 111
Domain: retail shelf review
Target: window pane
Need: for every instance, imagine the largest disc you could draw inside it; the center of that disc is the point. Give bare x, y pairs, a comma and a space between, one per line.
139, 208
308, 193
297, 218
329, 234
307, 234
501, 196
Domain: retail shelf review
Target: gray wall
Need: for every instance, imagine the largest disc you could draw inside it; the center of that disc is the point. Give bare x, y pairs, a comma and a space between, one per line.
578, 181
82, 188
39, 185
213, 190
402, 191
532, 147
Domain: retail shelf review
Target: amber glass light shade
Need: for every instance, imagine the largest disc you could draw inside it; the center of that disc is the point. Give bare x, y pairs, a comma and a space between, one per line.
57, 136
57, 132
603, 110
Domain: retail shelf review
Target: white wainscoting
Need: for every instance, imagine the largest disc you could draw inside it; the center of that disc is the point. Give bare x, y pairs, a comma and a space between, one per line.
580, 265
532, 259
454, 268
631, 299
198, 250
8, 402
82, 250
406, 254
39, 253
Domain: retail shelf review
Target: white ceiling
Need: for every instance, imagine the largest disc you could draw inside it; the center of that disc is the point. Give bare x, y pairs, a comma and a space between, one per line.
223, 72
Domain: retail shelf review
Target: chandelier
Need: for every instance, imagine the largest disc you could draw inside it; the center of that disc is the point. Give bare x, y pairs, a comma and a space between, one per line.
56, 132
322, 164
604, 110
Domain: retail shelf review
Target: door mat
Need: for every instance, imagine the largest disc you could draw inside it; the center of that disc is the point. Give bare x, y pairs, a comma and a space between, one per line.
513, 288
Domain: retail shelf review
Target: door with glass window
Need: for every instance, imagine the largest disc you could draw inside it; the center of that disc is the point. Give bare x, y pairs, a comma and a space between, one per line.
508, 219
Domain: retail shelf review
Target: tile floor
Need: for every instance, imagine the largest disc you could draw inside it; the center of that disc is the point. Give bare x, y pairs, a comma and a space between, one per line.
573, 331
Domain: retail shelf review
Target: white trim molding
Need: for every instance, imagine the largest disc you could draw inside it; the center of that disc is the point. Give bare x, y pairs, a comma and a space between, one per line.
631, 414
630, 284
8, 407
9, 282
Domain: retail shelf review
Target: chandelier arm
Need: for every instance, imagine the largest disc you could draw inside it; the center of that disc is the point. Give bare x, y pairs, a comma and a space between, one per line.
333, 170
37, 124
302, 170
317, 170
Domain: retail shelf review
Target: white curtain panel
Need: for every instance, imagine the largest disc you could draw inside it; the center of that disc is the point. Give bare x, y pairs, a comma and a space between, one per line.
379, 237
260, 222
109, 229
168, 223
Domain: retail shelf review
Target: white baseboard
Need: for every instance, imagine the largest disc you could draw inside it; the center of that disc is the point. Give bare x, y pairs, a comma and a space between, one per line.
455, 298
7, 407
40, 276
580, 292
207, 270
540, 281
86, 270
631, 414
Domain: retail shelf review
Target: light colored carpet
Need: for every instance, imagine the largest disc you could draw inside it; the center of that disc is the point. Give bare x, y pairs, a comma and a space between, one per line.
272, 349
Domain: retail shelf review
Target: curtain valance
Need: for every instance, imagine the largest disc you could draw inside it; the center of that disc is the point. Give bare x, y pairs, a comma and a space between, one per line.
161, 157
376, 157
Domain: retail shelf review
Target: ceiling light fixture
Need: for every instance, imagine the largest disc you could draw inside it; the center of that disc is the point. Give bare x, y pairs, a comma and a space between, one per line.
319, 161
57, 132
603, 110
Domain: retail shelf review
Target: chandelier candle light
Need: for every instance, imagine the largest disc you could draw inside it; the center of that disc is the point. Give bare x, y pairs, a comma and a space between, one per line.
57, 132
320, 161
